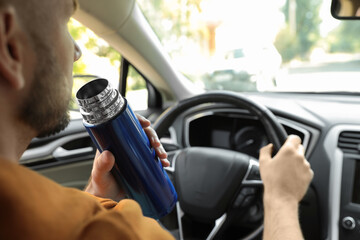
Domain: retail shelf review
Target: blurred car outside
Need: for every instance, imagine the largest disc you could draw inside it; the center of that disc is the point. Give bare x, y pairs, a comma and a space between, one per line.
251, 68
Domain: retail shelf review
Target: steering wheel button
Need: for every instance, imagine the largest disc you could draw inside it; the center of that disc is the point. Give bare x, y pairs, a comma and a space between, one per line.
248, 200
248, 191
239, 200
245, 196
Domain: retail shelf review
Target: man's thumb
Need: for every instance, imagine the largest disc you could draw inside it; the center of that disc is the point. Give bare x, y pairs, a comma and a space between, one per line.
103, 164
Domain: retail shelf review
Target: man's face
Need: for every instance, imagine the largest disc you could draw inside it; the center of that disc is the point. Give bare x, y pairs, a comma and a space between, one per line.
45, 107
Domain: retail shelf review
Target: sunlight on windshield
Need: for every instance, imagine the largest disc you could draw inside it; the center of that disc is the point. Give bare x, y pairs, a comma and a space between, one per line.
258, 45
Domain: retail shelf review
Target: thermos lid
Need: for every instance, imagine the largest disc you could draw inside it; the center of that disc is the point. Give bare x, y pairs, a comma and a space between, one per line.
98, 101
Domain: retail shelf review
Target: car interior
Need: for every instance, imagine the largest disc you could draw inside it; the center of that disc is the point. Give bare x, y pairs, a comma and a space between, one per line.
213, 135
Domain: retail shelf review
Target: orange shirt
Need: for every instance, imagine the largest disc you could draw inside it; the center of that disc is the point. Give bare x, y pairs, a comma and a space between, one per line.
34, 207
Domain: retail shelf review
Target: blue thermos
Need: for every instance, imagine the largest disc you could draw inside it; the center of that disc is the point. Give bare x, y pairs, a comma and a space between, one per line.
113, 126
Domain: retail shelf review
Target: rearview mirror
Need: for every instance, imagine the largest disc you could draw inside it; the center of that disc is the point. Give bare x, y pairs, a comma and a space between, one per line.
345, 9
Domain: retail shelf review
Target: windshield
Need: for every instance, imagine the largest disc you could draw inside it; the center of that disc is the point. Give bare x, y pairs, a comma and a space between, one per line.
259, 45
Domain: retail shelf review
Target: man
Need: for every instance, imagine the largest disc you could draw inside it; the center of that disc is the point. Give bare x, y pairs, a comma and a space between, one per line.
36, 58
36, 61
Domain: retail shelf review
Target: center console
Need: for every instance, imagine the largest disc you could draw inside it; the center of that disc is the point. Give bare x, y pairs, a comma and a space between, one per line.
349, 219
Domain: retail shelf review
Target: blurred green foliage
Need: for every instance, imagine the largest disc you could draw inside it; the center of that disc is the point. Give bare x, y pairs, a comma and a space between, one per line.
288, 47
349, 31
76, 31
100, 48
136, 81
175, 20
301, 34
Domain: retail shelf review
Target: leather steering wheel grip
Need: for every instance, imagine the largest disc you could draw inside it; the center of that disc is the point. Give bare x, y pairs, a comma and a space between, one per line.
275, 131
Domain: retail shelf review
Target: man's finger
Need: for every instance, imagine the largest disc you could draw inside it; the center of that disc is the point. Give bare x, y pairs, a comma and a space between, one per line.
144, 122
293, 140
160, 152
165, 162
301, 149
153, 137
265, 152
103, 164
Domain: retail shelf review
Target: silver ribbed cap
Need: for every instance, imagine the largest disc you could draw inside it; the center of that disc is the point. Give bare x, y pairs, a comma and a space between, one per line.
98, 101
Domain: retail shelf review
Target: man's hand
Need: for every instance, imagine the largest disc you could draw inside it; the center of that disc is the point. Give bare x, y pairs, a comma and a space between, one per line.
286, 178
287, 175
154, 140
102, 183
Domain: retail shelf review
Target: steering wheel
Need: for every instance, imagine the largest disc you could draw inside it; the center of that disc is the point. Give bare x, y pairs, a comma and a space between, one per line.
216, 184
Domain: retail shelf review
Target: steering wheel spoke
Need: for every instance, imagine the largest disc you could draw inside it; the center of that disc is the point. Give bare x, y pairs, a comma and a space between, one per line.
172, 155
252, 176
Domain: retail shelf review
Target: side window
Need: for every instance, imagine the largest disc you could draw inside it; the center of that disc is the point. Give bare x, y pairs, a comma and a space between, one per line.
136, 90
98, 59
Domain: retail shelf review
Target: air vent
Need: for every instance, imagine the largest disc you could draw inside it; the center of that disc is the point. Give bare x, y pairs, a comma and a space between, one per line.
349, 142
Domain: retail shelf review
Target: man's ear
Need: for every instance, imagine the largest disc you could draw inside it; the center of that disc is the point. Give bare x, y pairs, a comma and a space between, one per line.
10, 49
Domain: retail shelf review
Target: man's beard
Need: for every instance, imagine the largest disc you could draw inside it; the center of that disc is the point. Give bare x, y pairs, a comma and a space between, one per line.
45, 109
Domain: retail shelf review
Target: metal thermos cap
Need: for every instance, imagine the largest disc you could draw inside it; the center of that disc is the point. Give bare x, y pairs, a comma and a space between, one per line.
98, 101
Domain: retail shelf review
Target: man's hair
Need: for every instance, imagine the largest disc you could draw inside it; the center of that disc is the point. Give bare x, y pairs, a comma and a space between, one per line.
24, 7
17, 3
